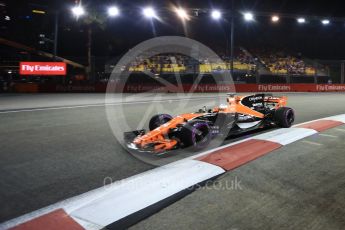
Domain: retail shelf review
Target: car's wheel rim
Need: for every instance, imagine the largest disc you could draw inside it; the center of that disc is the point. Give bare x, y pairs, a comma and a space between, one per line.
200, 134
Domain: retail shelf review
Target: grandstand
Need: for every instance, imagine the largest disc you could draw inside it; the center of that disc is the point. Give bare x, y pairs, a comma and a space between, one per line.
279, 62
176, 63
249, 67
249, 63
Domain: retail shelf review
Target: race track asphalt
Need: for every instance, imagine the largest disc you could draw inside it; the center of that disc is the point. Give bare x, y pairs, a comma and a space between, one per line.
55, 146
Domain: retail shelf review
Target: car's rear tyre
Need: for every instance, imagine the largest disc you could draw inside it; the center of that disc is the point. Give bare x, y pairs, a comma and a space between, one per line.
158, 120
196, 135
284, 117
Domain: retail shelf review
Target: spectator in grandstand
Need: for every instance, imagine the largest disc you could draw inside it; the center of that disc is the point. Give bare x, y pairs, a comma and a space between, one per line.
280, 62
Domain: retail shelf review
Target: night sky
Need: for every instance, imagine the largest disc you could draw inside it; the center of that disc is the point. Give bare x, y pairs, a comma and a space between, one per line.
117, 35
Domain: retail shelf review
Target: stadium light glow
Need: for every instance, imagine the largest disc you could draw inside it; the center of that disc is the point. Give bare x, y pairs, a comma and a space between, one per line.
301, 20
248, 16
149, 12
325, 22
78, 11
181, 13
113, 11
275, 18
216, 14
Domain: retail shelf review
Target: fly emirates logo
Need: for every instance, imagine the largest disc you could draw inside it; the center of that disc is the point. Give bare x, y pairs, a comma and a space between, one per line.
33, 68
43, 68
335, 87
274, 87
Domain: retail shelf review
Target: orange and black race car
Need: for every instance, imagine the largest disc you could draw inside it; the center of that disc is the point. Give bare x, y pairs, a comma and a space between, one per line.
196, 130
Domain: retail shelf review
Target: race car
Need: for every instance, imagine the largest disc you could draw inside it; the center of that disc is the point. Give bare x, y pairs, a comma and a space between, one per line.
196, 130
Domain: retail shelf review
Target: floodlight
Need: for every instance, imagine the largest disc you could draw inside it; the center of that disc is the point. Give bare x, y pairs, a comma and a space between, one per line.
113, 11
216, 14
78, 11
325, 22
275, 18
149, 12
301, 20
182, 13
248, 16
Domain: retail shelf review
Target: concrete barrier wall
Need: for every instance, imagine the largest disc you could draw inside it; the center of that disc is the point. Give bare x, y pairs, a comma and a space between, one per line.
26, 88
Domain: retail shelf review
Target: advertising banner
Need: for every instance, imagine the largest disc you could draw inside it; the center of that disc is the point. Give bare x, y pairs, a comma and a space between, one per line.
42, 68
202, 88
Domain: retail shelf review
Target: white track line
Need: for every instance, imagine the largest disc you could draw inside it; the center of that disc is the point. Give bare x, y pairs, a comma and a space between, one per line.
98, 105
311, 143
340, 130
327, 135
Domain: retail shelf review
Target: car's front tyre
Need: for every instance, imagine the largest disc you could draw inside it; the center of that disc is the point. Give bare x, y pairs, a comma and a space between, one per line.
158, 120
196, 135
